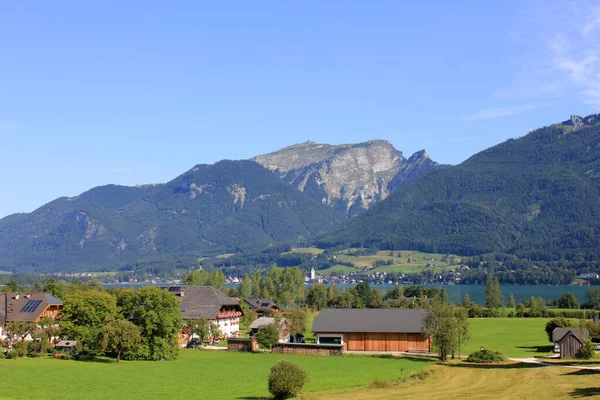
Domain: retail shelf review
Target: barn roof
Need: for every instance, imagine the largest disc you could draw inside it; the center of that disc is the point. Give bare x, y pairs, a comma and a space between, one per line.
373, 320
201, 301
558, 334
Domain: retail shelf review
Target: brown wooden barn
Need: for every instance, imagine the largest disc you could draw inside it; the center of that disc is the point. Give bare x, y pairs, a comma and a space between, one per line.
368, 329
569, 340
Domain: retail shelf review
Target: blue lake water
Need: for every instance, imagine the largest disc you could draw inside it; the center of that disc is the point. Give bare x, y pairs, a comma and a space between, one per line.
476, 292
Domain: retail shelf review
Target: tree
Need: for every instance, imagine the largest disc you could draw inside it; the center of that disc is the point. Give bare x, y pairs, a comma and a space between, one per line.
268, 335
317, 297
462, 328
587, 350
245, 290
333, 296
257, 284
593, 297
156, 313
568, 300
493, 296
297, 321
199, 327
286, 380
376, 300
445, 326
11, 286
511, 301
363, 292
216, 279
83, 317
119, 336
559, 322
196, 277
466, 300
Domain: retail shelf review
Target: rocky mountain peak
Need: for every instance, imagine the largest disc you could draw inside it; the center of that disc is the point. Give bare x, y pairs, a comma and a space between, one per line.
349, 177
577, 121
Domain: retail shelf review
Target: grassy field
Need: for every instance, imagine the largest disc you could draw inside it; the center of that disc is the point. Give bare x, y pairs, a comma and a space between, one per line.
337, 269
306, 250
514, 337
400, 264
196, 374
509, 381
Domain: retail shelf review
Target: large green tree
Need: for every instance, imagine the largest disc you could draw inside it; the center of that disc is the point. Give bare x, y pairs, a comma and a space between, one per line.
317, 297
119, 335
157, 314
568, 300
593, 298
83, 317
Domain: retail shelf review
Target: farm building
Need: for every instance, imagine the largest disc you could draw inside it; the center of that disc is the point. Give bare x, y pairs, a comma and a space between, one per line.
262, 306
283, 327
214, 305
388, 329
28, 307
569, 340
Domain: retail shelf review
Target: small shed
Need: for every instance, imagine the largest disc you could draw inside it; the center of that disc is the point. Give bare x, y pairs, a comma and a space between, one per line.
66, 346
283, 327
571, 340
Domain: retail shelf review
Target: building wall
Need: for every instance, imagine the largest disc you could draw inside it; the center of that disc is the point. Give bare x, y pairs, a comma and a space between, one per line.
569, 347
228, 326
359, 341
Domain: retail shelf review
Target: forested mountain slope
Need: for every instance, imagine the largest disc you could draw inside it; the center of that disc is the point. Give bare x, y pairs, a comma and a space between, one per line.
537, 196
211, 209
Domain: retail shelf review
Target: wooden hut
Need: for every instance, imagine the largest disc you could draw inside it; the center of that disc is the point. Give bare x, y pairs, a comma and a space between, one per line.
570, 340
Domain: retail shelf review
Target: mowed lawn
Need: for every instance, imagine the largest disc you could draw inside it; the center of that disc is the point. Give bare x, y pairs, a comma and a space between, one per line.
514, 337
196, 374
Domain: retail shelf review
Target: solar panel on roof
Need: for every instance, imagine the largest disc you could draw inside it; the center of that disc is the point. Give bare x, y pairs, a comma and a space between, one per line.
31, 305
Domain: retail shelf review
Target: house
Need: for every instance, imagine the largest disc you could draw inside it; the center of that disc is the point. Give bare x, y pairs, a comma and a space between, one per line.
206, 301
372, 329
569, 340
28, 306
283, 328
262, 306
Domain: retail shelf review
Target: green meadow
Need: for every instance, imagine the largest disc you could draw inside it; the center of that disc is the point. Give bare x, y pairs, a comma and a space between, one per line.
196, 374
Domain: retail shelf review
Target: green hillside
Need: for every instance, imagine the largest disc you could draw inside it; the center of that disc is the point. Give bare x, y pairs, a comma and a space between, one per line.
537, 196
211, 209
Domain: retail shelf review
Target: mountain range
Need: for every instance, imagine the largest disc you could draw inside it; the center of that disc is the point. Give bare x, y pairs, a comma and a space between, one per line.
535, 197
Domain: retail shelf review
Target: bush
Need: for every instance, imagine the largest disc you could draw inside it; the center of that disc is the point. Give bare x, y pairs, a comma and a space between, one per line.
486, 356
586, 351
21, 348
380, 384
286, 380
11, 355
559, 322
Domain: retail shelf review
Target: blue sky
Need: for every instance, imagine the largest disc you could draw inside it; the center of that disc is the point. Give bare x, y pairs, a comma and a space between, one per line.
98, 92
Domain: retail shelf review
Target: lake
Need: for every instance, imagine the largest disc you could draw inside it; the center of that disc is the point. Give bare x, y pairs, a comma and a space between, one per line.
475, 292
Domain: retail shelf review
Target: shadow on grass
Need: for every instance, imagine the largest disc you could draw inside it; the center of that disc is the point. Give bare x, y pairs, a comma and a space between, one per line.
517, 365
254, 398
537, 349
415, 359
583, 372
585, 392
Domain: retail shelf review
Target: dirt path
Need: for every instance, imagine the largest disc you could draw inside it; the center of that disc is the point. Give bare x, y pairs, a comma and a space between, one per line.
532, 360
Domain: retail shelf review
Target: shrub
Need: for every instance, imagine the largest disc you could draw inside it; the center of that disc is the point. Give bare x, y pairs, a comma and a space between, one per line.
421, 375
286, 379
380, 384
22, 348
586, 351
559, 322
486, 356
11, 355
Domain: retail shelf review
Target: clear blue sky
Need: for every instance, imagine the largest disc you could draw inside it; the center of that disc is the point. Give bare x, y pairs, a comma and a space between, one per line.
133, 92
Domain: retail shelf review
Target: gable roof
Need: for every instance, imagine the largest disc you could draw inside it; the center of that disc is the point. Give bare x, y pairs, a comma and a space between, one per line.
372, 320
558, 334
25, 306
202, 301
261, 305
266, 321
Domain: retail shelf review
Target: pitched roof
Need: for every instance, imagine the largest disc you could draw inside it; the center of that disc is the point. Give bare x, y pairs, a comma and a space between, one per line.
266, 321
261, 305
373, 320
25, 306
558, 334
202, 301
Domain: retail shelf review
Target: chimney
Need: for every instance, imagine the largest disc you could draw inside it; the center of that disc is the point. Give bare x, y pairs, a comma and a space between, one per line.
28, 296
17, 296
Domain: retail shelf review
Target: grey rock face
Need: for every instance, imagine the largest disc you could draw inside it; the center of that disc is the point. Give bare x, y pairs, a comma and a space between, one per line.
350, 177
